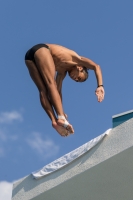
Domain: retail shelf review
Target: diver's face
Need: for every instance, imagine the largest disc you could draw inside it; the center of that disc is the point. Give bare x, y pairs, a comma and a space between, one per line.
77, 74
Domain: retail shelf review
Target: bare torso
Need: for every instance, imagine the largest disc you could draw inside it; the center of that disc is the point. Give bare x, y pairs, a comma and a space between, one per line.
63, 58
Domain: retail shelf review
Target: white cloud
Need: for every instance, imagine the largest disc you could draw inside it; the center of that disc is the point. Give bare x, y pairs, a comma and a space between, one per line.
46, 148
5, 190
8, 117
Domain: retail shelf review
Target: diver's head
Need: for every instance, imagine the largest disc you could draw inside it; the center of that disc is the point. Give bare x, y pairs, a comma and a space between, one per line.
79, 73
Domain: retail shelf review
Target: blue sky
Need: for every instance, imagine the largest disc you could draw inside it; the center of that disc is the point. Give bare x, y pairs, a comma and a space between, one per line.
99, 30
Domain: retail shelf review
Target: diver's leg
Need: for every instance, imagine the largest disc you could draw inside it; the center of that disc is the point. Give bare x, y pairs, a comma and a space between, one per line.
46, 67
44, 97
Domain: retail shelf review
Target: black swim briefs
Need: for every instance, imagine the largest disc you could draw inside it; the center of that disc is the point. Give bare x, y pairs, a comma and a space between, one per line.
30, 53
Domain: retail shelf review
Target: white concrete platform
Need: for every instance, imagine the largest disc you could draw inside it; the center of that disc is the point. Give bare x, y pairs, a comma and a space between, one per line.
104, 172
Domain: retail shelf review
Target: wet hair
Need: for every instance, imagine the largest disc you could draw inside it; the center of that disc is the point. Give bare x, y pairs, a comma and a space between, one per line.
85, 71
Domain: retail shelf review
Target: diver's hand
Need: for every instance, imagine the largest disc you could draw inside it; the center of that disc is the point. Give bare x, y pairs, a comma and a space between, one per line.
100, 93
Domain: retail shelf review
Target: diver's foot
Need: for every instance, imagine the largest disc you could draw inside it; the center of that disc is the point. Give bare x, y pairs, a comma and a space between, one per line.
60, 129
61, 121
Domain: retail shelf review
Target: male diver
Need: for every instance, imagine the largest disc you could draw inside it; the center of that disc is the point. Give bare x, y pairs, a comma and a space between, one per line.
48, 65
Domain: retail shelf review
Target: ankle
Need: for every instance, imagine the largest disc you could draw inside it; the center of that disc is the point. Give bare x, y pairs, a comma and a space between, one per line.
61, 117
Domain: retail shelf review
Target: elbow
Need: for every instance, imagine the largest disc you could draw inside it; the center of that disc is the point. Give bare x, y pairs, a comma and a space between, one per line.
97, 68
